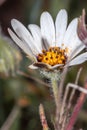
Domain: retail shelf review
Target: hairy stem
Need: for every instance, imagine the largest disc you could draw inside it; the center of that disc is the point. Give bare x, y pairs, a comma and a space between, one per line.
55, 90
57, 102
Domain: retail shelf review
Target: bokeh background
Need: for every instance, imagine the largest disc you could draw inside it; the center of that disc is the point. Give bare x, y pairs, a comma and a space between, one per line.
22, 89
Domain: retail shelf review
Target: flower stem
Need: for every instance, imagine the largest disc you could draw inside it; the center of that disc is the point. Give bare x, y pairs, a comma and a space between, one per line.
56, 98
55, 90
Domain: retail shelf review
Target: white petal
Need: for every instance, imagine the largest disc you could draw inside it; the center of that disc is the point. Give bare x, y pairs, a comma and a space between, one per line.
70, 32
21, 44
47, 28
77, 50
32, 67
79, 59
71, 39
36, 33
60, 24
24, 35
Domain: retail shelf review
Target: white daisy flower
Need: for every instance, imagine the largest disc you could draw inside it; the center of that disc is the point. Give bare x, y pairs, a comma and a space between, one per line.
52, 45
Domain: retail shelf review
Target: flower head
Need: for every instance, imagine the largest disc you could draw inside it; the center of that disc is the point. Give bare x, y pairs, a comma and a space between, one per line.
52, 45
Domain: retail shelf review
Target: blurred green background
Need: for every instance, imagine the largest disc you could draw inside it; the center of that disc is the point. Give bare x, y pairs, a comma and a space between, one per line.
22, 89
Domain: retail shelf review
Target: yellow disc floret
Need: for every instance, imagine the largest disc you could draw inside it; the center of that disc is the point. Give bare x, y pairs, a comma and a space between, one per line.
53, 56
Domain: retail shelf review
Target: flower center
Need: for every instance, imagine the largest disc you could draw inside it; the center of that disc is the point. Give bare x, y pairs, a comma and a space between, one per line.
53, 56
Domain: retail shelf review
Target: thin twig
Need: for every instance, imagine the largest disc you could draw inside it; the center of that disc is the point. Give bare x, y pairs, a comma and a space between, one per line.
77, 107
62, 85
70, 100
84, 90
73, 91
78, 75
32, 78
64, 104
75, 87
13, 115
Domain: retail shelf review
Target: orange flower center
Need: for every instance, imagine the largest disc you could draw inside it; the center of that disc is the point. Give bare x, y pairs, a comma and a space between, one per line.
53, 56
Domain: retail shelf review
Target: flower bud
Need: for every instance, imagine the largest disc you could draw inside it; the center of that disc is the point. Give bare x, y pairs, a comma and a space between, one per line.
82, 30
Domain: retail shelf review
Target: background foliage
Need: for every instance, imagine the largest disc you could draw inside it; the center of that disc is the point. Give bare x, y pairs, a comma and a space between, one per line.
21, 89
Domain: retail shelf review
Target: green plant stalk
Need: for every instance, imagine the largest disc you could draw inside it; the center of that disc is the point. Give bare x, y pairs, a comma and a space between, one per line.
54, 83
55, 79
57, 101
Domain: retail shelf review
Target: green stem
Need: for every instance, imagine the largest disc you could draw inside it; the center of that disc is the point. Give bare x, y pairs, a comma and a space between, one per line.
55, 89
